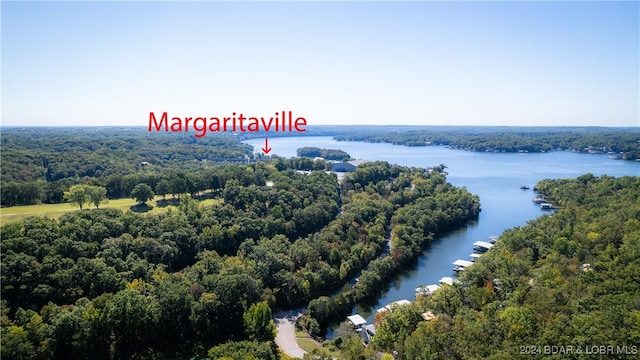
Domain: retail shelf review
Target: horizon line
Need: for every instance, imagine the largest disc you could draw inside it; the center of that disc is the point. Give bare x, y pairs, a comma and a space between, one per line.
343, 125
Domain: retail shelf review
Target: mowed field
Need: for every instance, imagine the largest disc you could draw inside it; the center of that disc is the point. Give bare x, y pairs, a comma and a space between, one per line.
54, 211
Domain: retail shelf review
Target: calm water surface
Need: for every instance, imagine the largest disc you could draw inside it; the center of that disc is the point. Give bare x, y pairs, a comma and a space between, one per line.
494, 177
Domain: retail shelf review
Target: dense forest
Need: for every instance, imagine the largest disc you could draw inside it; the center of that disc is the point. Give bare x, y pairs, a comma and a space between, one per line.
105, 284
40, 164
624, 142
565, 286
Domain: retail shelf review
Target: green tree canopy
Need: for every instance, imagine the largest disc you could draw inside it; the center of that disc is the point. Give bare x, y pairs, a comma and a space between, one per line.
258, 323
142, 193
96, 194
163, 188
77, 194
249, 350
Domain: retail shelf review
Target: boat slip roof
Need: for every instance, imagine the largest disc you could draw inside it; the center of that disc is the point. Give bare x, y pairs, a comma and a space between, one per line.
462, 263
400, 303
483, 244
357, 320
446, 280
390, 307
428, 289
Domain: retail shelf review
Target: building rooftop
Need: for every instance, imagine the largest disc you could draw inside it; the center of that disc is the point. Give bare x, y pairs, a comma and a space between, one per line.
357, 320
428, 315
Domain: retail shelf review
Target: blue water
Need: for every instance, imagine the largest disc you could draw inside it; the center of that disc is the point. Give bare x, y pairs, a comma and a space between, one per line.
494, 177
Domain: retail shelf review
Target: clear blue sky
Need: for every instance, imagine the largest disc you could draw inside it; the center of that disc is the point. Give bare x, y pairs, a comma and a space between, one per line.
416, 63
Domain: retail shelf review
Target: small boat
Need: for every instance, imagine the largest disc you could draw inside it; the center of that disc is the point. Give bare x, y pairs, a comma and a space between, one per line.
474, 256
524, 187
493, 239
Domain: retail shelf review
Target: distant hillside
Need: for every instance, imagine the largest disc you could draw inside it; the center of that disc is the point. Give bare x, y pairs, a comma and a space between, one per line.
623, 143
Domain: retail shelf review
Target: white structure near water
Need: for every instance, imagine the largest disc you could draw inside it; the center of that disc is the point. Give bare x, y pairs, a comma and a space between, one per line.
426, 289
460, 265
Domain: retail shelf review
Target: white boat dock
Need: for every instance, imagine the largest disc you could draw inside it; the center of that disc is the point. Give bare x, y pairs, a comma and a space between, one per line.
459, 265
546, 206
427, 289
538, 199
474, 256
357, 320
447, 280
393, 305
482, 246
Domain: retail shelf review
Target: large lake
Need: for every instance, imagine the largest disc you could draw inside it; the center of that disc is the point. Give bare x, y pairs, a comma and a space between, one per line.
494, 177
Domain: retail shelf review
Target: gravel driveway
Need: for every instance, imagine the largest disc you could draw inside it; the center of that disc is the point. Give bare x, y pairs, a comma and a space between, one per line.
286, 337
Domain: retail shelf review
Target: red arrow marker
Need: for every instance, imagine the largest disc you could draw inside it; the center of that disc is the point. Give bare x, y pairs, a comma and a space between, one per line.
266, 147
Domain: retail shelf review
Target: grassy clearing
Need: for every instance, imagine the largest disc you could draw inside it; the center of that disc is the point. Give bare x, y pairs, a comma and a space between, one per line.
307, 343
54, 211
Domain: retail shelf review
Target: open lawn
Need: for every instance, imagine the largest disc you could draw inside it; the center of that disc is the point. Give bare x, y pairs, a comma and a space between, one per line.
307, 343
54, 211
